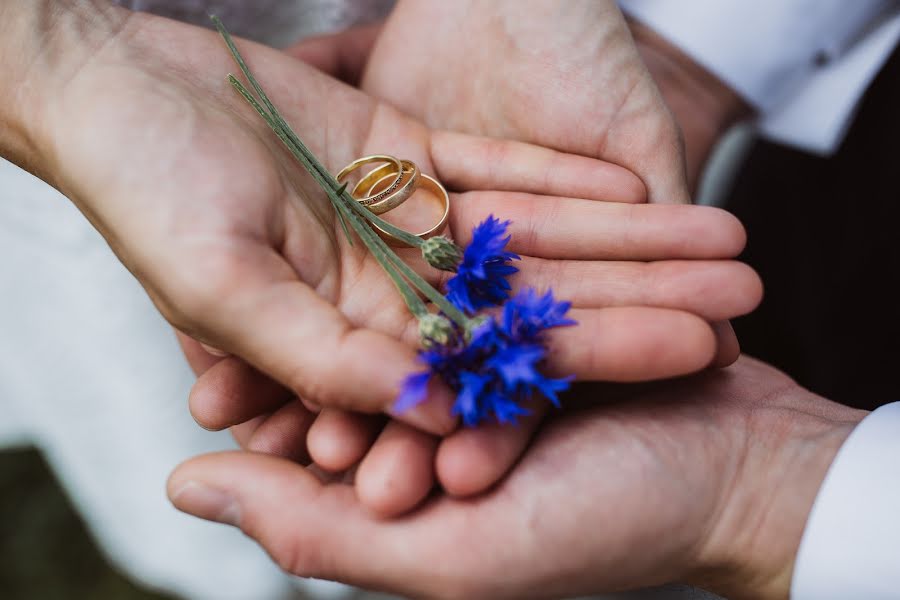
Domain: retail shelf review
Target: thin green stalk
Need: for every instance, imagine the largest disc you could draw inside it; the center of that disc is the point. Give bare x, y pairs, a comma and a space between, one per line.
413, 301
415, 304
368, 215
274, 125
325, 177
423, 286
317, 166
345, 205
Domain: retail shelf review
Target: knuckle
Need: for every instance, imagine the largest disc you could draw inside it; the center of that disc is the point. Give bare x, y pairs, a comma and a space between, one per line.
296, 557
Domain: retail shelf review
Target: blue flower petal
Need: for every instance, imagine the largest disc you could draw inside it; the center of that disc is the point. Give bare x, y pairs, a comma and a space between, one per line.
517, 365
468, 403
480, 279
551, 387
527, 315
505, 409
414, 390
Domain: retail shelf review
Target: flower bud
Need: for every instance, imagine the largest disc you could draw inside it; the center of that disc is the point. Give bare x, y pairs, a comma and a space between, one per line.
474, 324
441, 253
435, 330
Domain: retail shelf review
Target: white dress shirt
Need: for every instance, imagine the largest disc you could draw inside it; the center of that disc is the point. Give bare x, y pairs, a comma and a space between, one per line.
851, 544
802, 64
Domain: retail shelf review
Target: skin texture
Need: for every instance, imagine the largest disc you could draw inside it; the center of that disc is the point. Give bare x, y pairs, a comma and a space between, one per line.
704, 107
562, 75
238, 248
708, 480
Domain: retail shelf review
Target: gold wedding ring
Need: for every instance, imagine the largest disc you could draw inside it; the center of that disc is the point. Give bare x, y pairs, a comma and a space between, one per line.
371, 181
400, 188
426, 182
391, 184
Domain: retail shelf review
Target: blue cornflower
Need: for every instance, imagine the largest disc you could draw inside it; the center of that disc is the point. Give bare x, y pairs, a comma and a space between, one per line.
480, 279
528, 314
496, 369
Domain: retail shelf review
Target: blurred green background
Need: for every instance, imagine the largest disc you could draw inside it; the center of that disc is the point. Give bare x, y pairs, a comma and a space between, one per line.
45, 550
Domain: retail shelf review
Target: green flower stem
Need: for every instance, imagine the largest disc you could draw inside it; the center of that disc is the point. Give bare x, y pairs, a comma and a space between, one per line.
426, 288
400, 234
274, 125
342, 201
311, 162
413, 301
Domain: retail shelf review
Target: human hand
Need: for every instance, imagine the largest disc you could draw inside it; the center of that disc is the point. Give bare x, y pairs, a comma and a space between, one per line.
238, 248
560, 75
704, 107
403, 465
707, 480
330, 441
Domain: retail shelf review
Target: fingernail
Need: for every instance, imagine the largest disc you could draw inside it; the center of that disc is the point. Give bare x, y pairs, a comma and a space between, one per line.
208, 503
311, 406
213, 350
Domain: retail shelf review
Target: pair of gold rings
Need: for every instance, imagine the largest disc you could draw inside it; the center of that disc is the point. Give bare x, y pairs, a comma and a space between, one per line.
391, 184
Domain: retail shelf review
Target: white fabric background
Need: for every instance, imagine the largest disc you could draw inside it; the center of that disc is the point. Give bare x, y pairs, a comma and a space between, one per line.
92, 375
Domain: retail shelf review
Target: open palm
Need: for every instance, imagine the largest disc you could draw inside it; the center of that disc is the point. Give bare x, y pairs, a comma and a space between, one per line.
564, 75
670, 482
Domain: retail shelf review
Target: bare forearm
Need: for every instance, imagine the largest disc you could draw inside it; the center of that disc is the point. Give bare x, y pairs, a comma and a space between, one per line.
43, 44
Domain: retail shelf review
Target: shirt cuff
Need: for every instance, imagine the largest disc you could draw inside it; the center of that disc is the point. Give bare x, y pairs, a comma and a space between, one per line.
850, 545
759, 48
802, 64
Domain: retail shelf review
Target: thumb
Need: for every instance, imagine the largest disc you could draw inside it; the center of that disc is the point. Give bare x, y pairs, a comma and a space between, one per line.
309, 528
252, 305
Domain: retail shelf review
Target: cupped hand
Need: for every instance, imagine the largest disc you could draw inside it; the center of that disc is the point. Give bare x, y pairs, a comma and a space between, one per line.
239, 248
336, 439
403, 464
706, 480
564, 75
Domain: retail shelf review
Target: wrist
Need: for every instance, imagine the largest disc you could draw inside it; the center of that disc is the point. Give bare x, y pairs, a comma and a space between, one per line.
792, 441
704, 106
45, 43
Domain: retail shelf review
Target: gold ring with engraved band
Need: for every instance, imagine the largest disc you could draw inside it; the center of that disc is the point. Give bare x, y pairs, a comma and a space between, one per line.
369, 184
426, 182
401, 187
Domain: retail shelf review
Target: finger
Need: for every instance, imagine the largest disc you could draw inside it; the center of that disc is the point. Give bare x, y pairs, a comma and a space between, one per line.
631, 344
554, 227
301, 522
342, 55
471, 460
340, 439
398, 472
232, 392
465, 162
255, 308
714, 290
242, 432
284, 433
198, 358
728, 349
